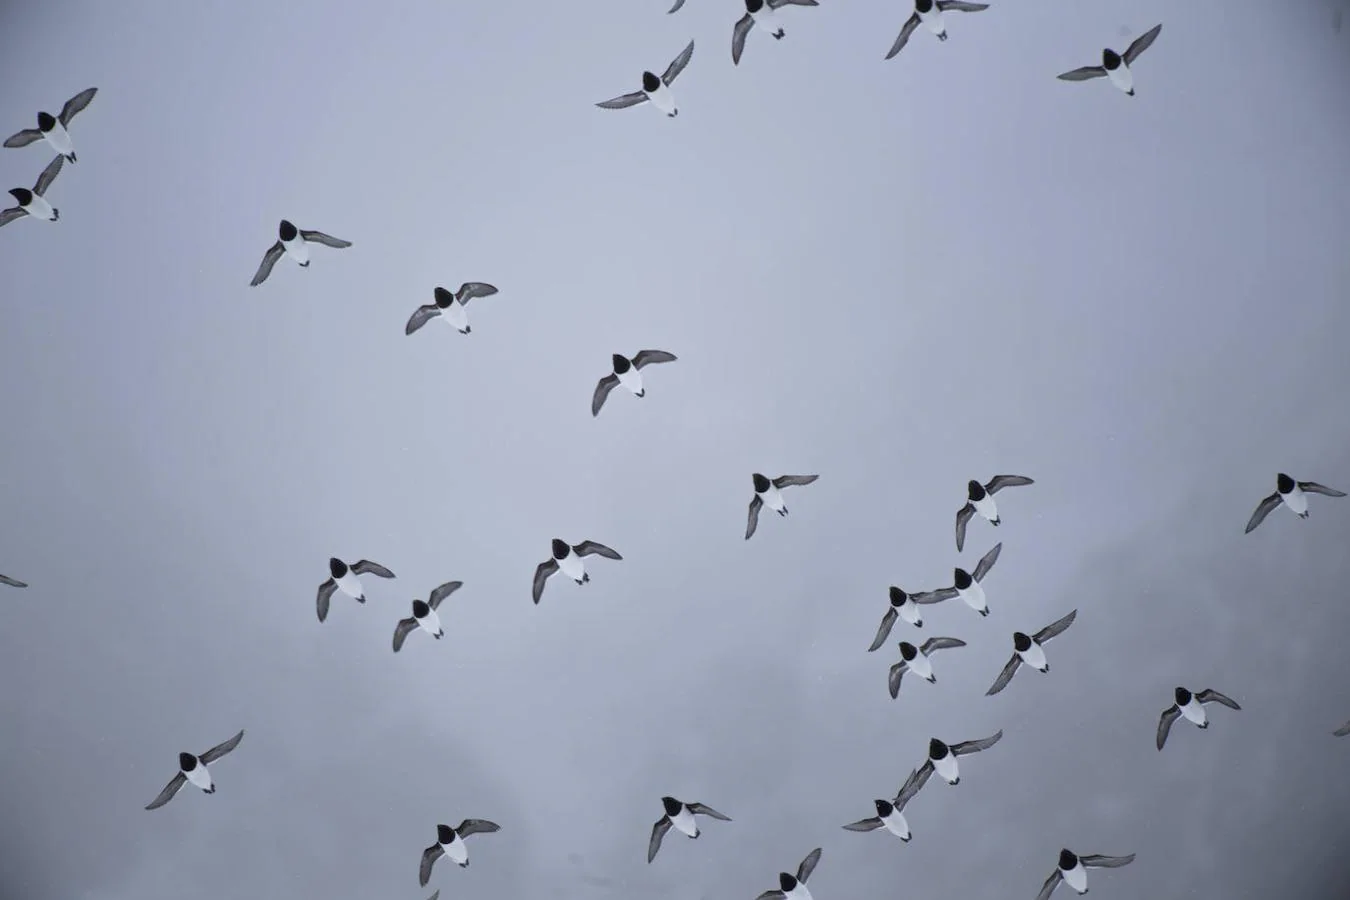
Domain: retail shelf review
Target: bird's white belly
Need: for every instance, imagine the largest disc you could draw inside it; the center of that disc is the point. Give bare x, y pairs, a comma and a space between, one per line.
986, 507
350, 585
947, 768
921, 666
1076, 878
1195, 712
458, 852
572, 566
684, 823
456, 316
59, 138
767, 18
799, 892
895, 823
933, 21
1121, 77
1034, 657
40, 208
200, 777
297, 250
910, 613
632, 379
431, 624
773, 499
974, 596
663, 99
1297, 501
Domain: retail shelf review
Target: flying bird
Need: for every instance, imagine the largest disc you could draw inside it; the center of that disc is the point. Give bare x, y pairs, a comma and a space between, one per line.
1116, 66
294, 242
627, 372
52, 129
930, 14
681, 815
1072, 870
967, 585
568, 558
980, 499
915, 659
793, 887
1028, 648
424, 615
450, 842
656, 89
904, 606
33, 203
1343, 730
891, 813
194, 769
1293, 494
5, 579
766, 16
342, 577
942, 758
770, 491
1192, 706
451, 306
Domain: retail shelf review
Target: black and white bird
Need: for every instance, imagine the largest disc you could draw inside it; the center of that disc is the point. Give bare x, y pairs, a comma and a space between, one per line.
793, 887
657, 90
980, 499
769, 492
33, 203
52, 128
627, 372
192, 768
1293, 494
424, 615
904, 606
1191, 706
294, 243
5, 579
342, 577
1029, 649
891, 813
763, 13
1072, 870
929, 13
915, 659
450, 307
680, 815
967, 585
942, 758
568, 558
1116, 66
450, 843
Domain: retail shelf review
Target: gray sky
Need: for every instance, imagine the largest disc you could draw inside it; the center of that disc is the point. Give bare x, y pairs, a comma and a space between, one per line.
899, 275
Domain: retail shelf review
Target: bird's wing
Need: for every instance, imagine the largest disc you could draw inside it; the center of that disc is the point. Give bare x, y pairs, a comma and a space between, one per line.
738, 33
9, 215
930, 597
1097, 861
965, 748
75, 104
1049, 887
421, 316
884, 629
871, 824
220, 750
1165, 723
541, 574
999, 482
909, 789
702, 809
5, 579
675, 8
471, 289
1140, 44
1343, 730
658, 833
1084, 73
318, 237
1313, 487
808, 865
1208, 696
325, 596
435, 895
49, 175
779, 4
771, 895
623, 101
401, 631
1262, 511
1055, 628
784, 481
602, 389
1005, 676
962, 519
268, 261
903, 38
23, 138
429, 857
987, 562
897, 673
476, 826
960, 6
366, 567
940, 643
169, 790
919, 777
647, 357
595, 548
753, 521
445, 590
677, 64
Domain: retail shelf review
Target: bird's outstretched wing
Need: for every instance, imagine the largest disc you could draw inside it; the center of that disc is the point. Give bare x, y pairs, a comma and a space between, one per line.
49, 175
471, 289
1049, 887
318, 237
884, 629
445, 590
325, 597
421, 316
541, 574
429, 857
903, 38
23, 138
677, 64
12, 582
965, 748
779, 4
753, 521
999, 482
1097, 861
647, 357
771, 895
9, 215
366, 567
1313, 487
987, 562
871, 824
1140, 44
909, 789
221, 749
738, 33
960, 6
940, 643
1083, 73
1165, 723
1262, 511
1055, 628
786, 481
962, 520
930, 597
897, 673
75, 104
808, 865
268, 261
658, 834
623, 101
702, 809
170, 789
595, 548
920, 776
602, 389
1005, 676
675, 8
401, 631
477, 826
1208, 696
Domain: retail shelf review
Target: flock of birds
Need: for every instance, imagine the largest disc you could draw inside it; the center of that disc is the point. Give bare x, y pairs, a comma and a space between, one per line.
569, 559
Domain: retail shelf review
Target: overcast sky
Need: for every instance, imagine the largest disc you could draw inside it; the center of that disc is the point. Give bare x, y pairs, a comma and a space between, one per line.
899, 275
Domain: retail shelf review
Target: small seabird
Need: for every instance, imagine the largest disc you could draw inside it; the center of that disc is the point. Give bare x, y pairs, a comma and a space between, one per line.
1192, 707
52, 129
890, 813
450, 842
656, 89
967, 584
681, 815
1293, 494
568, 558
770, 491
1343, 730
1116, 66
1072, 870
942, 758
765, 15
905, 606
194, 769
1028, 648
451, 306
915, 659
5, 579
627, 372
32, 203
424, 615
930, 14
342, 577
294, 242
980, 499
793, 887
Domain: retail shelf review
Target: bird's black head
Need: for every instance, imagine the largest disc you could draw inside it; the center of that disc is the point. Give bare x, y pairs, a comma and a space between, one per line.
560, 548
1284, 483
1067, 859
621, 363
908, 651
754, 6
445, 834
1021, 641
937, 749
923, 6
1111, 60
22, 195
420, 609
287, 230
443, 297
671, 806
761, 483
974, 490
785, 881
1182, 696
650, 82
46, 121
898, 597
187, 762
336, 567
884, 807
963, 579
